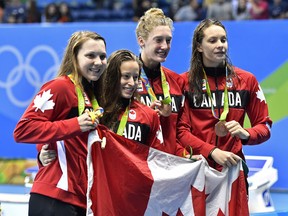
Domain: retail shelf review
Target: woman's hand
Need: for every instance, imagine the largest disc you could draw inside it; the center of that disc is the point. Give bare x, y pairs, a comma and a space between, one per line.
161, 109
46, 156
193, 157
235, 129
86, 123
225, 158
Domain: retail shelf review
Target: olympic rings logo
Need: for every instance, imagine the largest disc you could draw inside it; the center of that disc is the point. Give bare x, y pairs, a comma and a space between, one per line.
25, 70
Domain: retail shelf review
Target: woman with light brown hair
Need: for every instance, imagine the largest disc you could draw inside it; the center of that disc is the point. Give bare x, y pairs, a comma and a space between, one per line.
59, 115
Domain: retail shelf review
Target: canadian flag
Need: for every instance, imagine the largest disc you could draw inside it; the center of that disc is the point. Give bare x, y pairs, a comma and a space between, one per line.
130, 179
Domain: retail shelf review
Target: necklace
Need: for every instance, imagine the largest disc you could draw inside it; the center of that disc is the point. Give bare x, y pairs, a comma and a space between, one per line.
81, 100
123, 121
165, 87
220, 128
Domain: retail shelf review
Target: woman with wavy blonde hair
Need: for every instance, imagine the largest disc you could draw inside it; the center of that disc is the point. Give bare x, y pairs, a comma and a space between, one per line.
160, 87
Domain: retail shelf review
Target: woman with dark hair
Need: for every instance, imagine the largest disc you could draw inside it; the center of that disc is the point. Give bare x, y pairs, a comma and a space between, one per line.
123, 113
51, 13
64, 13
218, 97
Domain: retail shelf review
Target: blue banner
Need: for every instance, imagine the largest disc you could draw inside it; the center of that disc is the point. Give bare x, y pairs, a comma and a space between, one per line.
30, 55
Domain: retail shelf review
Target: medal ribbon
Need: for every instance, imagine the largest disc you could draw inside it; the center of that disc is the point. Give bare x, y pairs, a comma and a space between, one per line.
226, 106
167, 97
123, 121
81, 102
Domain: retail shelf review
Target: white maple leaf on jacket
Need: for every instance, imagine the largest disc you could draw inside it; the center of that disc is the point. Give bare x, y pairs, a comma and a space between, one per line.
43, 101
260, 95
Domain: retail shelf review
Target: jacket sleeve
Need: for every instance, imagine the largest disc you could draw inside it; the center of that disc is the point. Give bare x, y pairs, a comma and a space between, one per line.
180, 150
44, 119
186, 137
257, 112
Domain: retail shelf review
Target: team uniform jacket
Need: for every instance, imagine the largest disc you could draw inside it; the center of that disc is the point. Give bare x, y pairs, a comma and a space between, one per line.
66, 177
143, 125
52, 118
196, 124
168, 124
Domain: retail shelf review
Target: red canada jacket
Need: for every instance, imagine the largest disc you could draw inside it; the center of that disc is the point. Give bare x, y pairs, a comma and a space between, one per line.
196, 124
176, 88
143, 126
52, 118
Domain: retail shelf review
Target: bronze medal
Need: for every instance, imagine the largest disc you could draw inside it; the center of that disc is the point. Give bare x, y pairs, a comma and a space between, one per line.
220, 129
167, 110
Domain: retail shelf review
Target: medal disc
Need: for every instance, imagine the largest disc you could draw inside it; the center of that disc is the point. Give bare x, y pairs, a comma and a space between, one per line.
167, 110
220, 129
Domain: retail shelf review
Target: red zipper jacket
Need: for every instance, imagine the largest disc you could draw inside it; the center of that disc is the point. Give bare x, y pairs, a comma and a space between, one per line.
65, 178
52, 118
196, 124
176, 88
143, 125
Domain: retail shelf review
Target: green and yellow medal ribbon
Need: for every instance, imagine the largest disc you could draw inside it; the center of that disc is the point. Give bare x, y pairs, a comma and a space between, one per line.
225, 106
123, 121
81, 101
165, 87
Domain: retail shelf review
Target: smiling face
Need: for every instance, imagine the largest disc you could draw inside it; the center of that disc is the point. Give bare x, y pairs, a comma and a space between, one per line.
156, 47
91, 59
213, 46
129, 78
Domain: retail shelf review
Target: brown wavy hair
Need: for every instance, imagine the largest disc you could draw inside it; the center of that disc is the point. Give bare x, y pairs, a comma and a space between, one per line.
195, 73
111, 99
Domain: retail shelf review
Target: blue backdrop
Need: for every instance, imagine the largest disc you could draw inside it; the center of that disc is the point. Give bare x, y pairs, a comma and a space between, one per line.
31, 54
